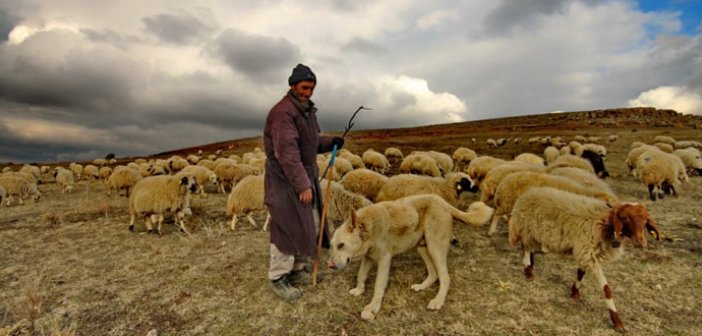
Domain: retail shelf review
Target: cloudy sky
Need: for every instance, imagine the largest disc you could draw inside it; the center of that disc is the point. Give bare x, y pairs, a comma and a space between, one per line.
83, 78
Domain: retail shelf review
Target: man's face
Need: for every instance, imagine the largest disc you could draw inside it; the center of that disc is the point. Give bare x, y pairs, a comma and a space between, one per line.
303, 90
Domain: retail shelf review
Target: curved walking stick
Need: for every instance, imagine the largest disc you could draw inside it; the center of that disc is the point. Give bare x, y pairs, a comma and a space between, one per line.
322, 220
348, 128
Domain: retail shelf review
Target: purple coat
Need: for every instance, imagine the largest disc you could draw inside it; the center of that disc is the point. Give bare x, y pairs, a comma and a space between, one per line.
292, 141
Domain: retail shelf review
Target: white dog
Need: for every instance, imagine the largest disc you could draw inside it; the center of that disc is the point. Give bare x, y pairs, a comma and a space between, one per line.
380, 231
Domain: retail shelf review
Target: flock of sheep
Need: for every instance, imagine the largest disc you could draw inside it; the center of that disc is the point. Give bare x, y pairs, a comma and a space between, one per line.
557, 200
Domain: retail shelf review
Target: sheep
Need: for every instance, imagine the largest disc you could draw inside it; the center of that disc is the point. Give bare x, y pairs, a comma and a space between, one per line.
502, 141
192, 158
364, 182
551, 154
515, 184
100, 162
393, 153
153, 196
3, 194
580, 138
613, 137
343, 166
33, 170
664, 147
91, 172
420, 164
140, 161
105, 173
122, 178
245, 198
491, 142
517, 141
7, 169
493, 178
664, 139
661, 173
202, 176
341, 203
462, 157
17, 186
207, 164
443, 160
546, 140
690, 159
534, 140
687, 144
597, 163
25, 176
176, 164
480, 166
633, 156
356, 161
530, 159
235, 157
565, 150
325, 170
636, 144
599, 149
582, 177
449, 188
588, 228
571, 161
64, 178
230, 174
594, 139
375, 161
77, 170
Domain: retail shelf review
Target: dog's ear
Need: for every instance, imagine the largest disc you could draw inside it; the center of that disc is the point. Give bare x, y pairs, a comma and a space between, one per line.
353, 221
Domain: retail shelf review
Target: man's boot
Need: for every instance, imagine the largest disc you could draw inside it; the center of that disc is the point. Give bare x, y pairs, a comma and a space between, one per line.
303, 277
284, 289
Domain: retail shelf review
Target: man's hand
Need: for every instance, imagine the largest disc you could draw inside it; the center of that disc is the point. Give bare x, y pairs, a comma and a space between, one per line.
338, 141
306, 196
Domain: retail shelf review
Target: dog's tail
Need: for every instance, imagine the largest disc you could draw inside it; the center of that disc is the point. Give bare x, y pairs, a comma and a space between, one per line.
478, 213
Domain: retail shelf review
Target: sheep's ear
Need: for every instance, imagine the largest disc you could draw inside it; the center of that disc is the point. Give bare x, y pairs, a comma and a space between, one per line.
616, 226
184, 180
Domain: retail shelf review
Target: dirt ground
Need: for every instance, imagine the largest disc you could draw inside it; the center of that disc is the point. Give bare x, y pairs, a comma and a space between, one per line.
69, 266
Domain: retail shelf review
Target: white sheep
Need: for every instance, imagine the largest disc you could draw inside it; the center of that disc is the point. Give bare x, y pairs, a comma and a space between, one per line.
77, 170
515, 184
100, 162
580, 138
154, 196
443, 160
551, 154
691, 159
591, 230
3, 194
356, 161
17, 186
193, 159
176, 164
584, 178
494, 177
462, 156
599, 149
393, 153
245, 198
25, 176
613, 137
33, 170
105, 173
530, 158
633, 156
230, 174
565, 150
687, 144
122, 178
364, 182
502, 141
6, 169
235, 157
139, 161
480, 166
594, 139
64, 178
420, 164
661, 173
668, 148
449, 188
491, 142
91, 172
342, 166
208, 163
202, 175
340, 203
571, 161
664, 139
375, 161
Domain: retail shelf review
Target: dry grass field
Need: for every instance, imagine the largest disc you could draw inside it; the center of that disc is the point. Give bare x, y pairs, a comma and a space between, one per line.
69, 266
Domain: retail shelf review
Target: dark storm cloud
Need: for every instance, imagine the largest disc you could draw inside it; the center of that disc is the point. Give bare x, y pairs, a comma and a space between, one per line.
363, 46
7, 23
87, 79
509, 15
181, 28
260, 58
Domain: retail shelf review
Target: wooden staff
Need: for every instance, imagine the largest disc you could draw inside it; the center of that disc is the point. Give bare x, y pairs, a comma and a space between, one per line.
330, 176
